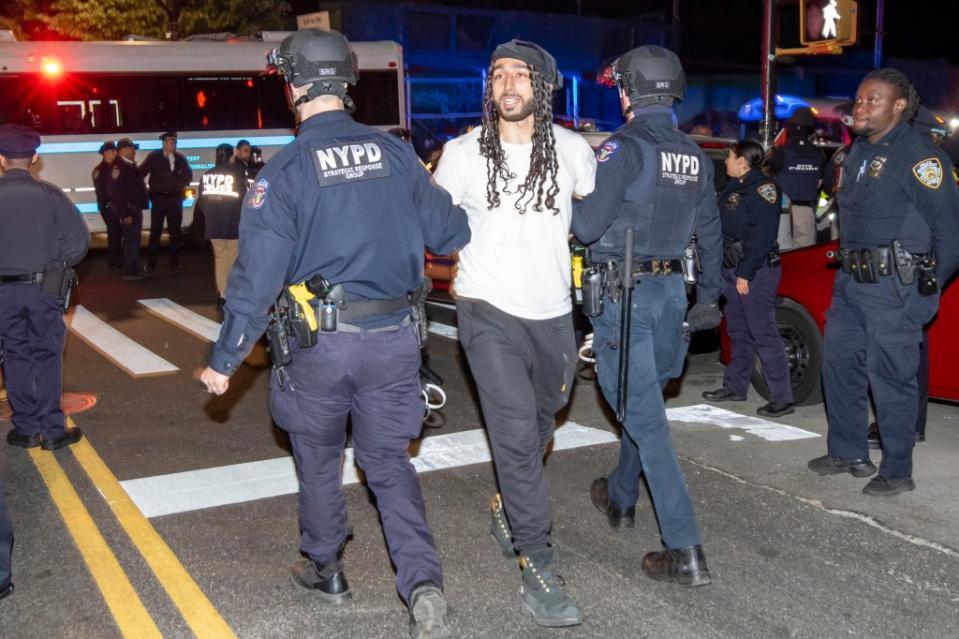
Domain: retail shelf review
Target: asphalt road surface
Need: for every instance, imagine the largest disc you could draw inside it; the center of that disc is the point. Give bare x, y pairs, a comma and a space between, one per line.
176, 515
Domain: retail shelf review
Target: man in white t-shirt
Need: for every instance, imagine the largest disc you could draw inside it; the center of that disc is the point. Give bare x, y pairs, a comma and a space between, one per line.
513, 296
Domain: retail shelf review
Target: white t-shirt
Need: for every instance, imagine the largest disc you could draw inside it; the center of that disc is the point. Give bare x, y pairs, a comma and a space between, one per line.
519, 263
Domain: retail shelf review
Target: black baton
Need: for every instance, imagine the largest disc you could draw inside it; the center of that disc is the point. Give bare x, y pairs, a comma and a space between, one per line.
625, 318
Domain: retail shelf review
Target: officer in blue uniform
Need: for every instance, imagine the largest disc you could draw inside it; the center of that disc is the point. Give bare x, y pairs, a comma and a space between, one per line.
128, 198
797, 167
43, 234
654, 179
101, 177
930, 124
167, 173
353, 204
219, 203
899, 243
749, 209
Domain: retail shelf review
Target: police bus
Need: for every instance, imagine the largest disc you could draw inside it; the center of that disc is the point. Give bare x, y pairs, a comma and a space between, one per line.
79, 94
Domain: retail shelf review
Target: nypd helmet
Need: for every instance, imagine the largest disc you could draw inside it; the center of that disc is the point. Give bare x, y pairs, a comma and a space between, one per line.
320, 58
648, 72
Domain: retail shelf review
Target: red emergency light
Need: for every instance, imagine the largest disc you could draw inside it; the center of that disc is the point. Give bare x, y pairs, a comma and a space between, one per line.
51, 68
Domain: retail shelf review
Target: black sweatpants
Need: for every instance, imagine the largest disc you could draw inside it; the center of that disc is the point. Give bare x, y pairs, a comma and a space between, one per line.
524, 373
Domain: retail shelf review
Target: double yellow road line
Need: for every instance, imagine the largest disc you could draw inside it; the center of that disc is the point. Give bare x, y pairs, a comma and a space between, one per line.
121, 598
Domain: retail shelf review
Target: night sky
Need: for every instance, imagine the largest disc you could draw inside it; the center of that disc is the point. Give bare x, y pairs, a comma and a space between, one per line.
731, 30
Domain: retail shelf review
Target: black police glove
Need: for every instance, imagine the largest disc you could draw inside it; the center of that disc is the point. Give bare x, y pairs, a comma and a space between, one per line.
703, 317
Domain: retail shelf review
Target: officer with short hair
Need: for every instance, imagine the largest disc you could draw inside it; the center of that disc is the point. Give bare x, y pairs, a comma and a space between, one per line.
220, 200
654, 181
101, 177
351, 206
930, 124
899, 243
797, 167
43, 235
242, 158
168, 173
127, 199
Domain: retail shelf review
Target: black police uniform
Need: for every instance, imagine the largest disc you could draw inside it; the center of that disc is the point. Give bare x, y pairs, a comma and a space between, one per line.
43, 232
222, 190
354, 204
653, 178
128, 198
166, 200
101, 180
896, 189
798, 168
749, 210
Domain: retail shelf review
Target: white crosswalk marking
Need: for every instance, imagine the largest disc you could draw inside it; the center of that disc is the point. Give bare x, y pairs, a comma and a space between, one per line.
706, 414
190, 321
450, 332
136, 360
239, 483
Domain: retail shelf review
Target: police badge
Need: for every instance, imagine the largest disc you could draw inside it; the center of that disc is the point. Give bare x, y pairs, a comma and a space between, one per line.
732, 202
929, 172
767, 191
877, 165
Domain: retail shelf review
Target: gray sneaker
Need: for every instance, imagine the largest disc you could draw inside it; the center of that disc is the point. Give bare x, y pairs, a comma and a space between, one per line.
428, 613
542, 593
499, 527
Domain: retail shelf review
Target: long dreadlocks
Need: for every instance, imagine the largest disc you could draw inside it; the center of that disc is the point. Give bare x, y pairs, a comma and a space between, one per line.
543, 163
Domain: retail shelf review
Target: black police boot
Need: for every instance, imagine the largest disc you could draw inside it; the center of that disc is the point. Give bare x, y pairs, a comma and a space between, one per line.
685, 566
68, 438
776, 409
7, 590
499, 527
827, 465
23, 441
880, 486
723, 395
428, 613
542, 593
328, 583
872, 436
619, 517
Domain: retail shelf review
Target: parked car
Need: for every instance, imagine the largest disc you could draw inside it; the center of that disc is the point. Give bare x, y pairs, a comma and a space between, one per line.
805, 293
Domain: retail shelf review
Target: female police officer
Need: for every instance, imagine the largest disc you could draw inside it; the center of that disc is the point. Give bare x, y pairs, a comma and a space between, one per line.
749, 209
354, 204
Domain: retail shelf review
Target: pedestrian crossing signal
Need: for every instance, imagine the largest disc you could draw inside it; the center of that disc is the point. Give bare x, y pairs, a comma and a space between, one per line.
828, 22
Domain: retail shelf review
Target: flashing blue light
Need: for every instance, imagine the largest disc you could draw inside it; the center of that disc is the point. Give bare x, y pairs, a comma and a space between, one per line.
786, 105
149, 145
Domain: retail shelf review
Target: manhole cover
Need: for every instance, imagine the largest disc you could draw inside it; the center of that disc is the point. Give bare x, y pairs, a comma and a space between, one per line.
72, 404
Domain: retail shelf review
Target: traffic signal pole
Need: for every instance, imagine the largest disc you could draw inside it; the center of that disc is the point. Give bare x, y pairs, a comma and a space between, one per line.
768, 72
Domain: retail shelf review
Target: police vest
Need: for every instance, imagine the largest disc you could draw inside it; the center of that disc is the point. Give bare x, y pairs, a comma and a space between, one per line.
799, 177
660, 202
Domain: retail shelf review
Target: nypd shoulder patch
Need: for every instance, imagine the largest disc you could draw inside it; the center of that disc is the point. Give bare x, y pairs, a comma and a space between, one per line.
257, 195
767, 191
96, 173
607, 150
929, 172
115, 173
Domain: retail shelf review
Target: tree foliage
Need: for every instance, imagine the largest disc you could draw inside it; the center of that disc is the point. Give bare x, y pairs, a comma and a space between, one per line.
114, 19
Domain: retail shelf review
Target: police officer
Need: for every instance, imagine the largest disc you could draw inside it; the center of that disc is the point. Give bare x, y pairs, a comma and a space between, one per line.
101, 176
128, 198
749, 210
930, 124
167, 173
43, 234
242, 158
354, 205
899, 242
797, 167
653, 179
222, 190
